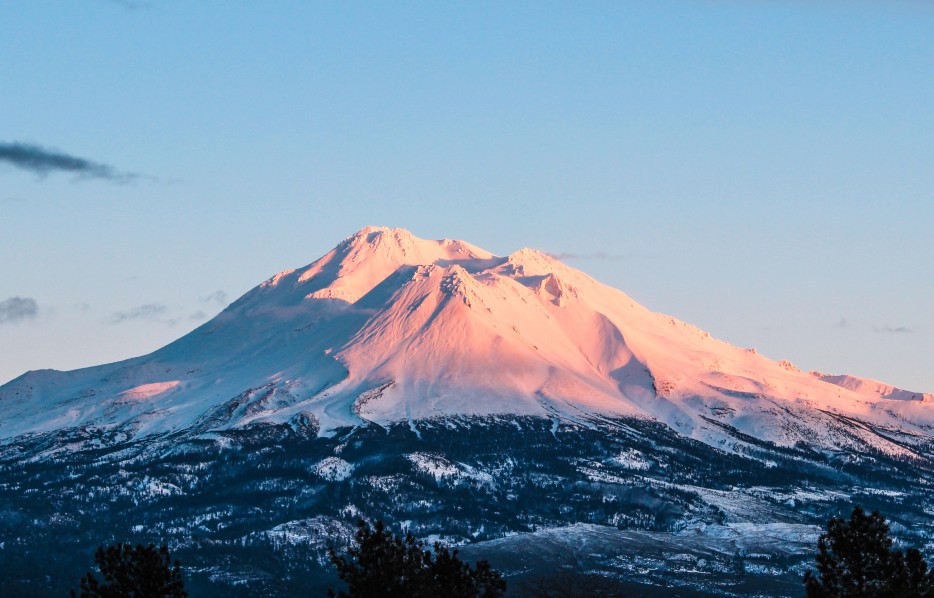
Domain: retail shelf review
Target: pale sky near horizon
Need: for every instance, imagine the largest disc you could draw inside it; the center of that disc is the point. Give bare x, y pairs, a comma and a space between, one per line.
762, 169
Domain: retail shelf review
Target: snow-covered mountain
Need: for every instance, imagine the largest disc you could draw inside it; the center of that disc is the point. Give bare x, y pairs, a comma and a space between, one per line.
389, 327
510, 404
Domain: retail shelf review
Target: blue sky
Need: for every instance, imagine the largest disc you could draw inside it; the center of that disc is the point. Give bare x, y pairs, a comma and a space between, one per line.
762, 169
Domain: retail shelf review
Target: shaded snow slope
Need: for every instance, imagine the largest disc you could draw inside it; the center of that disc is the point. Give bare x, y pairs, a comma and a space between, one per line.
387, 327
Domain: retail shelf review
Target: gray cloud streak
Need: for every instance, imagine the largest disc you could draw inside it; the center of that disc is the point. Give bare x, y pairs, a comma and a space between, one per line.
16, 309
218, 297
599, 255
148, 311
893, 329
42, 161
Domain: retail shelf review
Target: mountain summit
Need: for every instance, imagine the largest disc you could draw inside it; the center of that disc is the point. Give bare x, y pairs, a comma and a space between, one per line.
387, 327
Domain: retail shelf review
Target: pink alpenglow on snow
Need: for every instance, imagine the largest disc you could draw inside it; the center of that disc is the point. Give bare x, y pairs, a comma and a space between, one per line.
389, 327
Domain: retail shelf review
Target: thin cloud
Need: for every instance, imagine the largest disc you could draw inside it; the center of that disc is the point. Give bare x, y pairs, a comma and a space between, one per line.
843, 323
893, 329
16, 309
148, 311
599, 255
157, 312
43, 161
196, 316
218, 297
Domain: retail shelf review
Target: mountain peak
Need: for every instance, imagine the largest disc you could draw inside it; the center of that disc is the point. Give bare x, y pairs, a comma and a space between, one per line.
369, 229
406, 248
366, 258
531, 262
377, 235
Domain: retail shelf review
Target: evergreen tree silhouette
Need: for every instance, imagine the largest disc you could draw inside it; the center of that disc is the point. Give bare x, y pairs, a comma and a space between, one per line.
855, 560
128, 572
381, 564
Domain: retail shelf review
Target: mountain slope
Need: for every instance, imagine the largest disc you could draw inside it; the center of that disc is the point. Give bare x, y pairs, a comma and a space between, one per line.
389, 327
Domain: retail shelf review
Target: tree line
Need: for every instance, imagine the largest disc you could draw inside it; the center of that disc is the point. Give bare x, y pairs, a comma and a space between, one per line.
855, 559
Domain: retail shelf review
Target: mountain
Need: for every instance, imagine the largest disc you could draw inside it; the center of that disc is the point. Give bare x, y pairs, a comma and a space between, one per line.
470, 395
388, 327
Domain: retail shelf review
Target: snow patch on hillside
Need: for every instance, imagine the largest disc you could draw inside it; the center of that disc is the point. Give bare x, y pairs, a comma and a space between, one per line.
633, 460
146, 391
435, 465
334, 469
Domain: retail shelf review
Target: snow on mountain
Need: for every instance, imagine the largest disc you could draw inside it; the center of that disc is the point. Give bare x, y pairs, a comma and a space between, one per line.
875, 388
389, 327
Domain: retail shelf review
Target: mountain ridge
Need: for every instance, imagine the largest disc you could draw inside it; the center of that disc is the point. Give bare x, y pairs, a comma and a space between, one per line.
388, 327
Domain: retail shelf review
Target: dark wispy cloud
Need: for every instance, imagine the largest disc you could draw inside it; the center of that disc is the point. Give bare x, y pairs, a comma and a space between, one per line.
598, 255
16, 309
217, 297
892, 329
43, 161
158, 313
147, 311
843, 323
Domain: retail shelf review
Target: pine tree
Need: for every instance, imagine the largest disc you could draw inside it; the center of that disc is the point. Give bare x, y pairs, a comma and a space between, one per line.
381, 564
855, 560
128, 572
